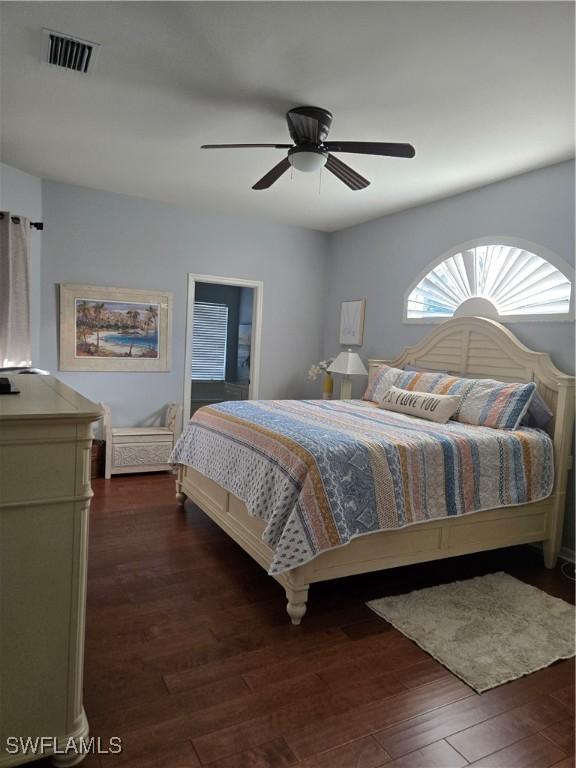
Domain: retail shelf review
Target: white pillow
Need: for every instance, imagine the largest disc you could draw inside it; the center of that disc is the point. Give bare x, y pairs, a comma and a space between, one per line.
424, 405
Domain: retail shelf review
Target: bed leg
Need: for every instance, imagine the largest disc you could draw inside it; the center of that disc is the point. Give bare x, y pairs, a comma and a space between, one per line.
297, 596
181, 497
553, 543
551, 551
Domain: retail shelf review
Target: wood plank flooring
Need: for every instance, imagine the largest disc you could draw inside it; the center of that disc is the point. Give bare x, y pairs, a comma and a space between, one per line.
191, 660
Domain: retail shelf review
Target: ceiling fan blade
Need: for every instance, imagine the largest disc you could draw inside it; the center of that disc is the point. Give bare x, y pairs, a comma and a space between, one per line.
371, 148
236, 146
273, 175
348, 175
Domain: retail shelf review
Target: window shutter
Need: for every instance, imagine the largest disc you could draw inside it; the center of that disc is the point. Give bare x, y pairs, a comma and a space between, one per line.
519, 284
210, 333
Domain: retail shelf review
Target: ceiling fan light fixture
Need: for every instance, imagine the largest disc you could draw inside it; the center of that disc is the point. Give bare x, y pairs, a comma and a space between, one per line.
307, 160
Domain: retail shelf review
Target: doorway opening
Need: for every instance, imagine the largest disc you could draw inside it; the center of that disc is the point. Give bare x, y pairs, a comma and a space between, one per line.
222, 340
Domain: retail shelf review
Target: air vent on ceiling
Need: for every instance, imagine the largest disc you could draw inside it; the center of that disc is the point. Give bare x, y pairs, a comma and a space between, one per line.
68, 52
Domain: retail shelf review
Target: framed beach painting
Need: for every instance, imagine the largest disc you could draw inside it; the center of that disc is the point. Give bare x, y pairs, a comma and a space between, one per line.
352, 322
114, 329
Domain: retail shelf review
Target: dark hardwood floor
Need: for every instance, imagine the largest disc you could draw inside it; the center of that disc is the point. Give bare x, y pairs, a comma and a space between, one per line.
190, 658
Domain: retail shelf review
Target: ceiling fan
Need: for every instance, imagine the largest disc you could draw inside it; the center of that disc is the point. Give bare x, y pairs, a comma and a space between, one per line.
309, 128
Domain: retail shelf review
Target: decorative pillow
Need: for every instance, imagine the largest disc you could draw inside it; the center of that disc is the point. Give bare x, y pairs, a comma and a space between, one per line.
384, 378
538, 414
430, 381
424, 405
380, 382
484, 402
421, 370
496, 404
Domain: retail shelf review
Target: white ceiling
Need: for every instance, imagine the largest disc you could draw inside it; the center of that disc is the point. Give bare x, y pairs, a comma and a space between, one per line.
483, 90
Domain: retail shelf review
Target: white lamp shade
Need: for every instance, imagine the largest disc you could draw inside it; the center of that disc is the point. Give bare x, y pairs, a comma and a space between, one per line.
348, 363
308, 161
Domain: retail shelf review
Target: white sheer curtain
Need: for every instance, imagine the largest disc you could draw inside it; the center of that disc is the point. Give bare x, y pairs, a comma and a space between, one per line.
14, 291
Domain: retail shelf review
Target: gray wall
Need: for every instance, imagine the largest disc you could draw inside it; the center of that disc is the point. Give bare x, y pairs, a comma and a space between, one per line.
21, 194
110, 239
379, 260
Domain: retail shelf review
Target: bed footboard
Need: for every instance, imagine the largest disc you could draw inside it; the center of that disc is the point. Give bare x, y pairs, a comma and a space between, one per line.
231, 515
434, 540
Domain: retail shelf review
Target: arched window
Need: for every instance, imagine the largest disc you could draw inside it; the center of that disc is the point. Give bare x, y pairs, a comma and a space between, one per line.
499, 281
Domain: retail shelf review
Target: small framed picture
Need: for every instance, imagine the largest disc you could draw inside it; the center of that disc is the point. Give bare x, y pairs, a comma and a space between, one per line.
352, 322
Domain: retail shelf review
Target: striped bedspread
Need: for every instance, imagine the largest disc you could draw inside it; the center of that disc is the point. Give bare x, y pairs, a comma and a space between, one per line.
321, 473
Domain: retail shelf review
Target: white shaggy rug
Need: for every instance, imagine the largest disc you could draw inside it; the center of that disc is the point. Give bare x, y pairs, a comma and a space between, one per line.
488, 630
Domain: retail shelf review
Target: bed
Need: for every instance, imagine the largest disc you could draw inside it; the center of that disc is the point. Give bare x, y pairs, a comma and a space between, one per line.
469, 347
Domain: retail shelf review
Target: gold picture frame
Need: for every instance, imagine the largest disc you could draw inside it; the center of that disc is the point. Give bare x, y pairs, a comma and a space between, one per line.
114, 329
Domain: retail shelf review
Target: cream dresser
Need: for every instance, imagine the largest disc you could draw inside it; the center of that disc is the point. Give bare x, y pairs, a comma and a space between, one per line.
45, 440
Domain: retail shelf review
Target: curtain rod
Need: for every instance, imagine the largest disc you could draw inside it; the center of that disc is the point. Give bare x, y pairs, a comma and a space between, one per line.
34, 224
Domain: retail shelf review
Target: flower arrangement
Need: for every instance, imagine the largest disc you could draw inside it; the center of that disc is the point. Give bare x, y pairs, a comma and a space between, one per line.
318, 368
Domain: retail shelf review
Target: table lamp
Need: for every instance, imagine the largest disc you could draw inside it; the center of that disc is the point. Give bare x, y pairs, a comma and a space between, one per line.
348, 364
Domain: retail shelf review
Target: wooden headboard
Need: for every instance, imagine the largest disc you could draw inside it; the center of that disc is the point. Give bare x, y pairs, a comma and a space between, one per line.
475, 347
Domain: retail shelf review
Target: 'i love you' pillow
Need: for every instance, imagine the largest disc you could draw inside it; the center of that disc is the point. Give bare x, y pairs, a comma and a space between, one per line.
424, 405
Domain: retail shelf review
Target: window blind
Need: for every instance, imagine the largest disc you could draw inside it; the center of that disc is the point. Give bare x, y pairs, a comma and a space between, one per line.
210, 335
